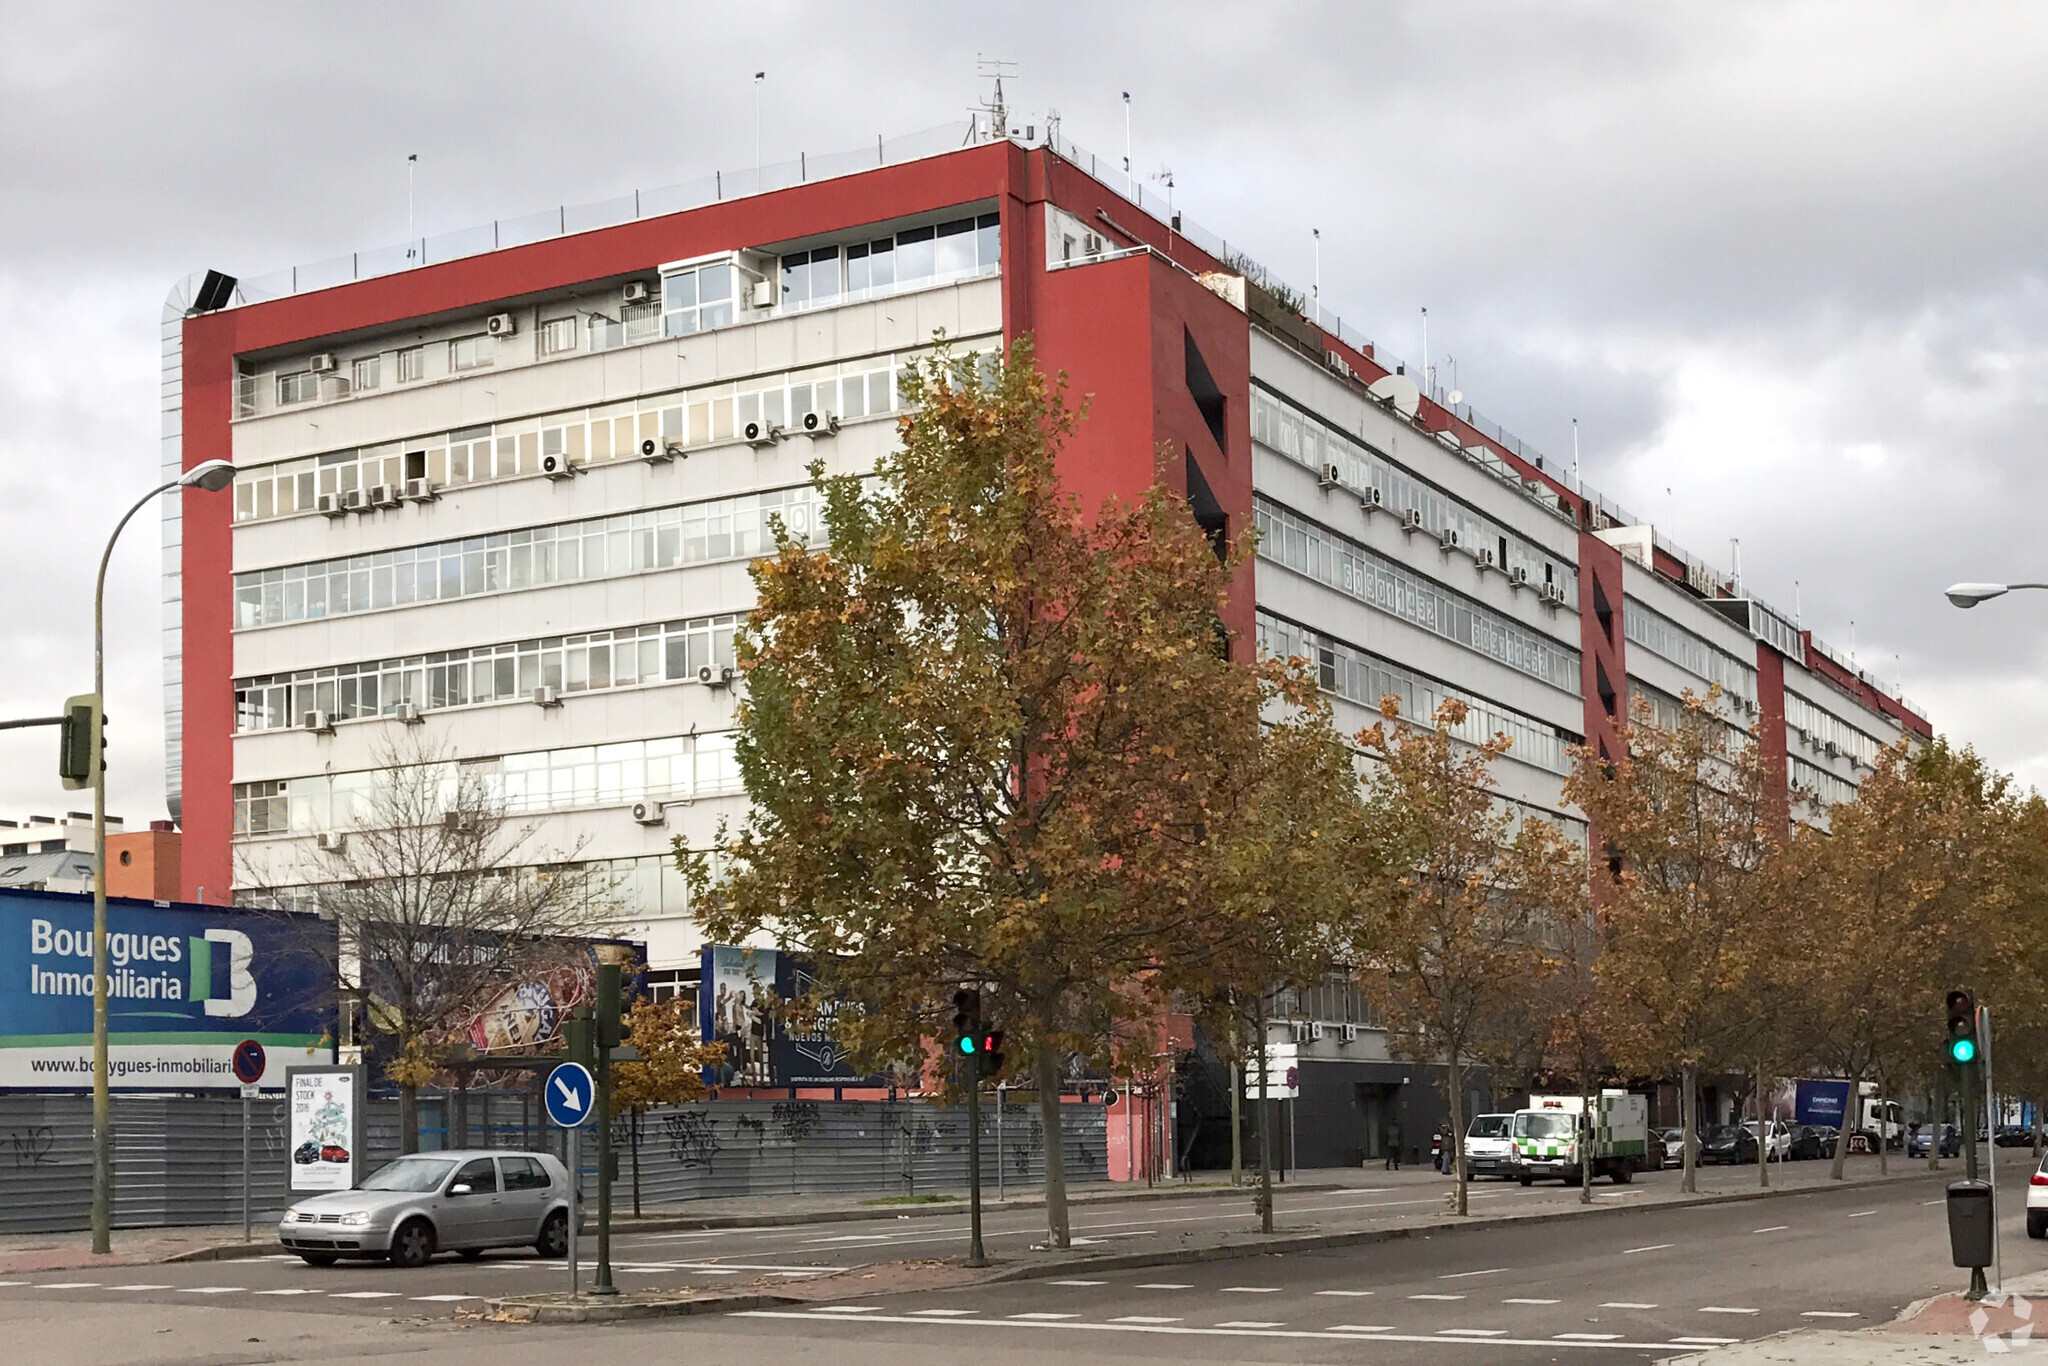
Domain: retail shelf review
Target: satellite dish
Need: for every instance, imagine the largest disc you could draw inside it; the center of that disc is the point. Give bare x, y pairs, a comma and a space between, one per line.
1454, 398
1397, 391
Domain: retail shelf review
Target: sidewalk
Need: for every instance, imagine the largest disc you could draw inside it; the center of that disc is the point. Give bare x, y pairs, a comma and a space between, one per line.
1947, 1330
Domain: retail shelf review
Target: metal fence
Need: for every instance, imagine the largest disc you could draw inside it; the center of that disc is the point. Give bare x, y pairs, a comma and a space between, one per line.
178, 1160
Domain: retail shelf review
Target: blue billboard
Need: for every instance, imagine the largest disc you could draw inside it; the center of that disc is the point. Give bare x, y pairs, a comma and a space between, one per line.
185, 984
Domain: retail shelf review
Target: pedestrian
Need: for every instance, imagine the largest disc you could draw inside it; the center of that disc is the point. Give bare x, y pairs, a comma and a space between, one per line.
1393, 1145
1443, 1147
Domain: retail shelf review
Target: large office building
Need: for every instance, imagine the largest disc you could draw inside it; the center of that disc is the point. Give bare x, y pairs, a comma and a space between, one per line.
503, 487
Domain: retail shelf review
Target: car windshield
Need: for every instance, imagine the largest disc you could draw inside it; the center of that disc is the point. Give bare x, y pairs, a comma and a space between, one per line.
1722, 1131
409, 1174
1488, 1126
1543, 1126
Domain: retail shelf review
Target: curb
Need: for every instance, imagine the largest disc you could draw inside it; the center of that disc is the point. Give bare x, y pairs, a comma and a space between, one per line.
222, 1252
585, 1309
1315, 1242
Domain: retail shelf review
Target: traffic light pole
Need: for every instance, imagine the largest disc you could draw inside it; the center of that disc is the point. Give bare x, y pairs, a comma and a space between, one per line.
608, 1038
1991, 1150
975, 1255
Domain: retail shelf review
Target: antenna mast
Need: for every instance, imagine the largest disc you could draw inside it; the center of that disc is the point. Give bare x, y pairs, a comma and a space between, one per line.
994, 108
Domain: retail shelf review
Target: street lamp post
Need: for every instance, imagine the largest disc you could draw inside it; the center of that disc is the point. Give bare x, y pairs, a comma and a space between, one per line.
211, 476
1968, 595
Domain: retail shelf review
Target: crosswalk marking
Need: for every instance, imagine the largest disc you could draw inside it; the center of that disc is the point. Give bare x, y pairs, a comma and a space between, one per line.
1250, 1323
1142, 1318
1774, 1228
1830, 1314
295, 1290
1077, 1282
1251, 1289
1653, 1247
1165, 1285
1520, 1301
1724, 1309
216, 1290
1586, 1337
844, 1308
1626, 1304
363, 1295
944, 1313
1436, 1297
17, 1282
137, 1286
1863, 1214
1461, 1275
1473, 1332
1361, 1328
444, 1299
1045, 1316
70, 1285
1347, 1293
1706, 1342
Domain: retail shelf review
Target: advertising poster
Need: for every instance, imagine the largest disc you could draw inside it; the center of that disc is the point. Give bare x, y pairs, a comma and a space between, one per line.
324, 1127
739, 1000
185, 984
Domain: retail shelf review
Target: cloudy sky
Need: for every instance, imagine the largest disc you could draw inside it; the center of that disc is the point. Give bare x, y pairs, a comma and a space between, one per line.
1784, 262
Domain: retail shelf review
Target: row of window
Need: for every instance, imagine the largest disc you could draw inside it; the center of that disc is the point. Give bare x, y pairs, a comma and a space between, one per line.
647, 888
1287, 538
1359, 677
1660, 635
507, 450
1310, 441
910, 259
630, 657
682, 768
567, 552
1816, 782
1826, 728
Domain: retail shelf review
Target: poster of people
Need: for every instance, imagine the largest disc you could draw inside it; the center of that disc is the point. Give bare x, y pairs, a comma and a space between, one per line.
324, 1128
739, 1003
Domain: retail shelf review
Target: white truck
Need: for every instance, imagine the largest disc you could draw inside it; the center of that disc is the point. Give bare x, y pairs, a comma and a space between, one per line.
1548, 1132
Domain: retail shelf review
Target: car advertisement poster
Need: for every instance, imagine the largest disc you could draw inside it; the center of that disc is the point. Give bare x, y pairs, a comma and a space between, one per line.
739, 1004
324, 1127
185, 985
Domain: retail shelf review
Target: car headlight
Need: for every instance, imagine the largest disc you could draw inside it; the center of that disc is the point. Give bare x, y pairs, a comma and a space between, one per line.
299, 1216
355, 1218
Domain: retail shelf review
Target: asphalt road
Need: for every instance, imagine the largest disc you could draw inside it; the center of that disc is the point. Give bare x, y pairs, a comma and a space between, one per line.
1646, 1284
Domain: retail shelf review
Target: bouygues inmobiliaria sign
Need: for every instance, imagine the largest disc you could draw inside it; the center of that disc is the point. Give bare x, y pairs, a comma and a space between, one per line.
185, 984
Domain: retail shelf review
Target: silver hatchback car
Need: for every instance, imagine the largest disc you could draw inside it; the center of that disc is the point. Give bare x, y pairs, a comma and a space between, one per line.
466, 1201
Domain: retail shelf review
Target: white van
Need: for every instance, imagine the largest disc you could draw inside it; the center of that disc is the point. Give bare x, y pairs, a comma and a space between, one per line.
1489, 1148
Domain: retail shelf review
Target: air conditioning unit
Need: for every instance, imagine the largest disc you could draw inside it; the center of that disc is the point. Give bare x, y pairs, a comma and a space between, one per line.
759, 435
322, 363
1553, 594
1299, 1029
1834, 750
761, 294
821, 424
716, 675
331, 841
330, 506
658, 452
385, 496
635, 292
409, 713
319, 722
545, 696
353, 500
1518, 577
1328, 477
1315, 1029
1484, 559
1448, 539
649, 813
421, 491
1337, 363
1411, 519
501, 324
558, 467
1369, 499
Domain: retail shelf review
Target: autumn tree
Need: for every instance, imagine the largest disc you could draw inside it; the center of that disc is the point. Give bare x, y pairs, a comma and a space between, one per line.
985, 734
1454, 935
434, 898
1686, 820
669, 1070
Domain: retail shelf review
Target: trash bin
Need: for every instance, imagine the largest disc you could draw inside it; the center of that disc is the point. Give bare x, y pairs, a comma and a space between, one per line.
1971, 1227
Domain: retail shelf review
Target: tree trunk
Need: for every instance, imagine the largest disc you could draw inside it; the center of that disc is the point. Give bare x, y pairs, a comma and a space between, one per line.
633, 1137
408, 1119
1938, 1105
1884, 1162
1585, 1143
1455, 1075
1839, 1165
1763, 1134
1045, 1071
1265, 1104
1689, 1114
1236, 1110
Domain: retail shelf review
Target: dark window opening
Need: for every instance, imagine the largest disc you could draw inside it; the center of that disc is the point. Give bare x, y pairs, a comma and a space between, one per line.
1606, 689
1603, 611
1207, 396
1209, 514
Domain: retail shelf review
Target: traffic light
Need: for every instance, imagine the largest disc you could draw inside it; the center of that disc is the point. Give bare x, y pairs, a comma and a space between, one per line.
611, 1015
81, 741
991, 1052
1962, 1027
577, 1045
966, 1022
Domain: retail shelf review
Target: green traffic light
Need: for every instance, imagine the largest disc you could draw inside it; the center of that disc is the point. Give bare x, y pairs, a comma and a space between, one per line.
1962, 1050
965, 1043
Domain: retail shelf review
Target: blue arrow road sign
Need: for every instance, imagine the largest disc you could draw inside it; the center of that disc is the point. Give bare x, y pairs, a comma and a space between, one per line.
572, 1095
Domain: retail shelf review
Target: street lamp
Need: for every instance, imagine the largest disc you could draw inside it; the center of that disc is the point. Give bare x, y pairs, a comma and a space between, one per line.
1970, 594
211, 477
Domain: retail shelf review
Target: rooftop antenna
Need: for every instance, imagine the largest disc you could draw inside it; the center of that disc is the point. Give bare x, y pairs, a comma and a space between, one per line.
994, 69
1575, 457
1735, 563
760, 78
412, 165
1428, 380
1316, 290
1129, 184
1797, 624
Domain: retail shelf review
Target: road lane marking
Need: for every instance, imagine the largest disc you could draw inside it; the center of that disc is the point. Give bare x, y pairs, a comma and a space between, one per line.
1586, 1337
1653, 1247
1863, 1214
1077, 1282
1774, 1228
1129, 1318
1045, 1316
295, 1290
1724, 1309
362, 1295
847, 1309
1942, 1201
1342, 1333
1436, 1297
945, 1313
1164, 1285
1705, 1342
445, 1299
1250, 1323
1472, 1332
1518, 1301
70, 1285
1830, 1314
1626, 1304
1361, 1327
1461, 1275
219, 1290
1349, 1294
1251, 1290
111, 1287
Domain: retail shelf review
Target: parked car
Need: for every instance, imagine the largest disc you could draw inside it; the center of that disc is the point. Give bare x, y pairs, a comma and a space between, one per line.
2014, 1136
1489, 1151
1813, 1142
464, 1201
1778, 1140
1951, 1141
1726, 1143
1655, 1156
1674, 1147
2037, 1202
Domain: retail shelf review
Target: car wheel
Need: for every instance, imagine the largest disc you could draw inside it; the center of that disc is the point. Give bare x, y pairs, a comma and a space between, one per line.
471, 1254
554, 1235
329, 1259
1527, 1179
1623, 1174
412, 1244
2037, 1223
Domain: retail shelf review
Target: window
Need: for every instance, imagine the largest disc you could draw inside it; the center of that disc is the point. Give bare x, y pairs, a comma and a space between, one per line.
557, 335
366, 373
523, 1174
412, 364
1661, 636
955, 250
300, 386
478, 1175
811, 278
471, 353
698, 298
